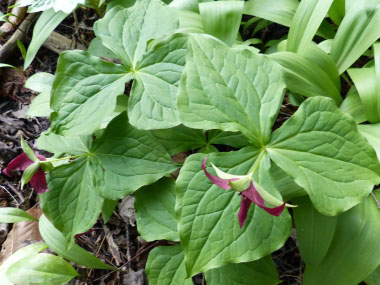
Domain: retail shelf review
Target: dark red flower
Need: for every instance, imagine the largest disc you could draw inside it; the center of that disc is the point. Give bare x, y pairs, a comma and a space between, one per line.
248, 196
22, 162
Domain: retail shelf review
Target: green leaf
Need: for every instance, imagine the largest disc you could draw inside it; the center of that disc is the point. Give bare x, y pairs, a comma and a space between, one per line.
97, 48
125, 159
98, 82
41, 268
354, 251
366, 83
14, 215
372, 134
44, 26
227, 138
305, 77
108, 208
262, 271
6, 65
56, 242
353, 105
374, 278
41, 82
281, 12
286, 185
59, 144
229, 90
322, 150
28, 173
36, 5
305, 23
166, 266
72, 203
314, 231
207, 215
337, 11
146, 20
153, 99
356, 33
180, 138
28, 150
20, 254
222, 19
155, 213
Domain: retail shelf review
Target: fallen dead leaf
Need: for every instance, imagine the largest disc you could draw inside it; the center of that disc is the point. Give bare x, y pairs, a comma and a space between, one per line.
22, 234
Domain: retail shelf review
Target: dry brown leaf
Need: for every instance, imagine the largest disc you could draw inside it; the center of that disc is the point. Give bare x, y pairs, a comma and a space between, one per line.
22, 234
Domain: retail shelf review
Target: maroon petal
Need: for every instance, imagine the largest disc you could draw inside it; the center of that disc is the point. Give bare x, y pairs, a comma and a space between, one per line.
21, 162
255, 197
222, 183
40, 157
244, 208
38, 182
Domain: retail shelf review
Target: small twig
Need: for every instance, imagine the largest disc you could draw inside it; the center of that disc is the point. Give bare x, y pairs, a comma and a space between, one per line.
22, 199
97, 254
6, 190
377, 201
125, 264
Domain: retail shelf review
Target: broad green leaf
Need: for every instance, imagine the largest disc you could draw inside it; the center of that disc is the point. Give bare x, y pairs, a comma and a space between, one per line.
127, 31
305, 23
97, 48
353, 105
372, 134
337, 11
123, 3
186, 5
153, 99
354, 251
190, 22
303, 76
14, 215
59, 144
125, 159
374, 278
21, 254
166, 266
366, 83
155, 213
286, 185
83, 83
227, 138
229, 90
40, 106
45, 25
56, 242
281, 12
180, 138
222, 19
72, 203
356, 33
262, 271
40, 82
108, 208
41, 268
207, 215
314, 231
322, 150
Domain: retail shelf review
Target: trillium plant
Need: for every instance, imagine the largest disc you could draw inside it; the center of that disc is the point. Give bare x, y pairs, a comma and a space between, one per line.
280, 131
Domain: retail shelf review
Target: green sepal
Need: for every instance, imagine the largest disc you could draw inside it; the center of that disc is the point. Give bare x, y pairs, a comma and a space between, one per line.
29, 172
28, 151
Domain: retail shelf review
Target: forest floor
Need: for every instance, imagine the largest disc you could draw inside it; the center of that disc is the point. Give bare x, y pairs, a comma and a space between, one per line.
117, 242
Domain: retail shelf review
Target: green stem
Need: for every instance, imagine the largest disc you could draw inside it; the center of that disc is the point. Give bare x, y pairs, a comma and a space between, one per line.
63, 158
